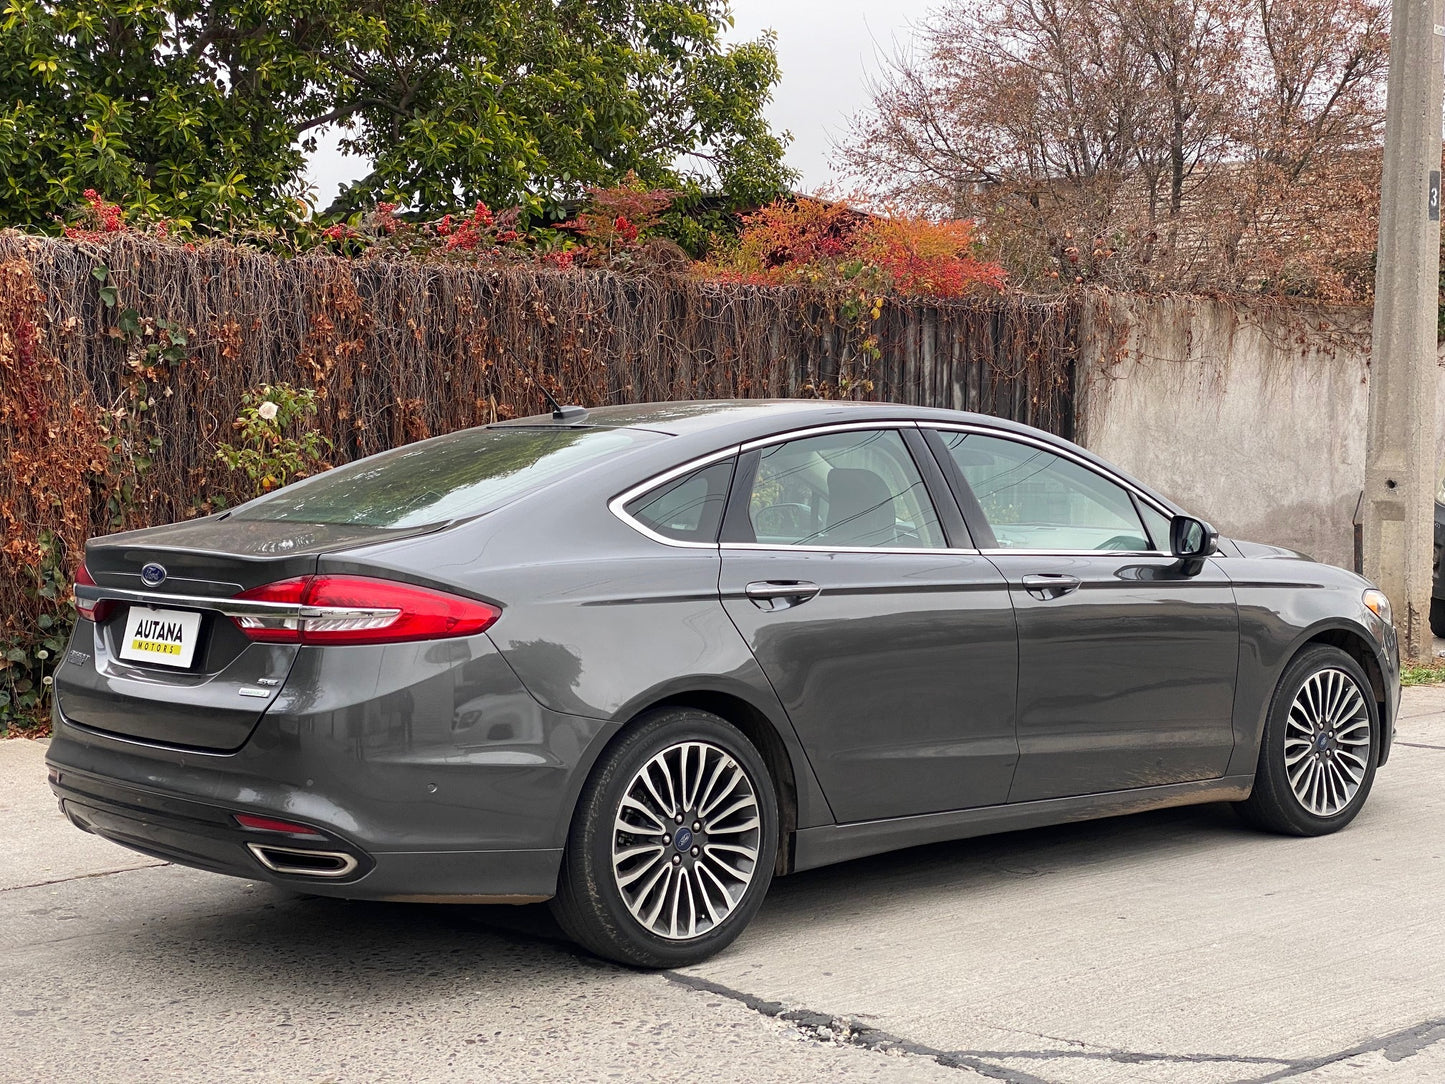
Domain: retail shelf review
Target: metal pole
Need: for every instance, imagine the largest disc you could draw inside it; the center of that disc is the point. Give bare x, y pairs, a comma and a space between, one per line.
1400, 441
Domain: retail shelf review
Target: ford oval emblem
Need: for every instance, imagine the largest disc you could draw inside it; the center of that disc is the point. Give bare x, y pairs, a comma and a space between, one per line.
153, 575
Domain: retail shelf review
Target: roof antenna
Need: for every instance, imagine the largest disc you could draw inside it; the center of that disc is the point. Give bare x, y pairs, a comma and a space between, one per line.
560, 412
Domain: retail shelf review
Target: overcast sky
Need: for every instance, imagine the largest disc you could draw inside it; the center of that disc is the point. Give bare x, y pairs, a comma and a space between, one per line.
827, 49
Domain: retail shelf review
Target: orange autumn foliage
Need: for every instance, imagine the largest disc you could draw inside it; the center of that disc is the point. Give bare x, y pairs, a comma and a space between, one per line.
806, 241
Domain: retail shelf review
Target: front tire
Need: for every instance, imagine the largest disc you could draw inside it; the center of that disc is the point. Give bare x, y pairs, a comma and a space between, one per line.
1321, 740
672, 846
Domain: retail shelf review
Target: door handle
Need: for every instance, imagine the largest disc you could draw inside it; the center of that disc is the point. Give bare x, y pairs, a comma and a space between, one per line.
1047, 585
780, 594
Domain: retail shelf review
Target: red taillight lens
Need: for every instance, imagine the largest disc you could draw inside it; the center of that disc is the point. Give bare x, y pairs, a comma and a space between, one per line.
91, 610
274, 630
362, 610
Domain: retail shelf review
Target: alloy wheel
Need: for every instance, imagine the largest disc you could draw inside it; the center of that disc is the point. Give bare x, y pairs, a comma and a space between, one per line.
686, 839
1327, 742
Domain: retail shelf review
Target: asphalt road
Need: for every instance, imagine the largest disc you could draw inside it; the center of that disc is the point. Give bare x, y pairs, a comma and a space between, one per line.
1170, 947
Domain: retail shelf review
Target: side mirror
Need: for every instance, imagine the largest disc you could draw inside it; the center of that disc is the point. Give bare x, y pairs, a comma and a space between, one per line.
1192, 539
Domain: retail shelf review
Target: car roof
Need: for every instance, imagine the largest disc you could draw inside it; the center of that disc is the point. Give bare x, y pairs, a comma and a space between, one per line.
745, 419
705, 425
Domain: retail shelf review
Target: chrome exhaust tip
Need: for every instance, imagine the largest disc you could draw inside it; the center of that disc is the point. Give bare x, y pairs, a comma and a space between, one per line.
296, 862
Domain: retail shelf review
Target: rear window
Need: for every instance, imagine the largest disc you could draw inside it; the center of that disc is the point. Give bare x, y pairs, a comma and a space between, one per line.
451, 477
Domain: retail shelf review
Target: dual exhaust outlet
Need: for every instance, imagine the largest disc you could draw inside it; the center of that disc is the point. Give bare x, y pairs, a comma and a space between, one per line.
299, 862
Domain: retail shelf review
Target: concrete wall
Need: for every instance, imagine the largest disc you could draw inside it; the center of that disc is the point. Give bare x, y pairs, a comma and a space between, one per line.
1250, 416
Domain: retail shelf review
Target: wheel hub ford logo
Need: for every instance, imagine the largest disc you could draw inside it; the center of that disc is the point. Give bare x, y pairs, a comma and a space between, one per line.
683, 840
152, 575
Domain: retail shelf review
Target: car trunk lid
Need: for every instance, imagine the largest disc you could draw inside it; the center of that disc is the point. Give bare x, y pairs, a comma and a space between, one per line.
164, 662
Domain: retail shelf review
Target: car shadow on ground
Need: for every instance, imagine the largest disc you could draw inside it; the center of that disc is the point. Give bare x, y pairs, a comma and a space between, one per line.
265, 937
868, 886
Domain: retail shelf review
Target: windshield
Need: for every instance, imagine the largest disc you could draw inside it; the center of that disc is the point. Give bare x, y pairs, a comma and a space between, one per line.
445, 478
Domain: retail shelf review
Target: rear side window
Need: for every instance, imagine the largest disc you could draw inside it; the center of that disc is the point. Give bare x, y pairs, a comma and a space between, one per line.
445, 478
858, 489
688, 509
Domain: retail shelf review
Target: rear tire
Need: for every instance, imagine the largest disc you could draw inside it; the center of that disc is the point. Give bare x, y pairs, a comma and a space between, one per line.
1320, 747
1437, 616
672, 846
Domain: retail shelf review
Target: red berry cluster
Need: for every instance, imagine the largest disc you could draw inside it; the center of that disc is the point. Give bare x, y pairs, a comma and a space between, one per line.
471, 232
625, 228
103, 217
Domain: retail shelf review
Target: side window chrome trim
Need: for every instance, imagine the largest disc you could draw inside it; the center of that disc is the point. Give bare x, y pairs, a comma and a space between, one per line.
824, 430
1077, 553
618, 504
881, 551
1062, 453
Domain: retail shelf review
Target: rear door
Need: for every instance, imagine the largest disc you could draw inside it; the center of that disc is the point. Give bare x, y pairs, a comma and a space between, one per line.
1127, 662
889, 640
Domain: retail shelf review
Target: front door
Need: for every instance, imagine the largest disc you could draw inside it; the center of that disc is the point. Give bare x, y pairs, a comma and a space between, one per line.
1127, 660
891, 645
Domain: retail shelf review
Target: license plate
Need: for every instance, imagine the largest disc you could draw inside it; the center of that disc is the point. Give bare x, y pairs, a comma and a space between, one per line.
162, 637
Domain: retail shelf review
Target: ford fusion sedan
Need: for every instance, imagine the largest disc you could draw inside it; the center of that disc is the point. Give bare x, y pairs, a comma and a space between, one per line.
639, 661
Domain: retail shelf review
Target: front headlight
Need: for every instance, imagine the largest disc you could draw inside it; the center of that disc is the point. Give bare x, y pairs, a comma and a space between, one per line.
1379, 605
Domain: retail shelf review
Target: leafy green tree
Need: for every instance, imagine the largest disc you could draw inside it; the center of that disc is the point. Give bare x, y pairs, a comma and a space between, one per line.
204, 111
177, 108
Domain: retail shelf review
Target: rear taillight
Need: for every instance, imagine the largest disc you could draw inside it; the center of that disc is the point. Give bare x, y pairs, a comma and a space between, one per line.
89, 608
360, 610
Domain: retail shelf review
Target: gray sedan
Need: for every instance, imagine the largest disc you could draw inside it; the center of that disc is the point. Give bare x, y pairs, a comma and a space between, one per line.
640, 660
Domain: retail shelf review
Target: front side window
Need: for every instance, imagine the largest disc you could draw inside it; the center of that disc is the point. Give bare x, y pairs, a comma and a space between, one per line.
1036, 500
1158, 524
852, 490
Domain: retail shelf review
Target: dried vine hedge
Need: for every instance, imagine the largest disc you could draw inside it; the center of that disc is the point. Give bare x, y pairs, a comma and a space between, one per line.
122, 366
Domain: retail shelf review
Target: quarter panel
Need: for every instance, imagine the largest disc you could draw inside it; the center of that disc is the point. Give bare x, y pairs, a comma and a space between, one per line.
629, 632
599, 621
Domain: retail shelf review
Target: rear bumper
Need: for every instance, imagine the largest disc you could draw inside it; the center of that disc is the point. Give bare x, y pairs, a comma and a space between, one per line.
423, 770
208, 837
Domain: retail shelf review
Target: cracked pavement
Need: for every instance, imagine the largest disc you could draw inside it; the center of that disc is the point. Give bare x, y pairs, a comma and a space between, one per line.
1169, 947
